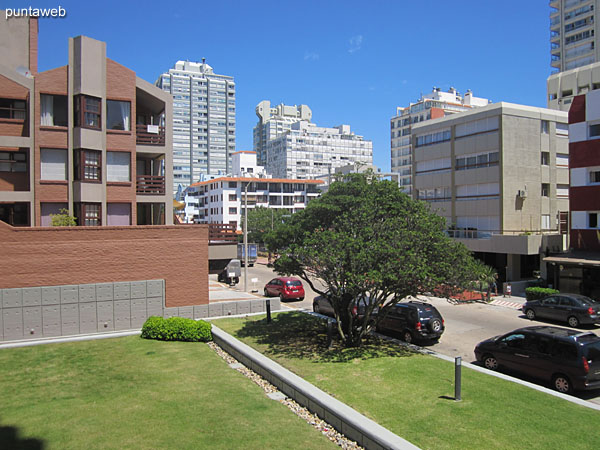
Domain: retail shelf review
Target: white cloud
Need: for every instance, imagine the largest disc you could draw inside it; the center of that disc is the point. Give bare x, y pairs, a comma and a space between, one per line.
355, 43
311, 56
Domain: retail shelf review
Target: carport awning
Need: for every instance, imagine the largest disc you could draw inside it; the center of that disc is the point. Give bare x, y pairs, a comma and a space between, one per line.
575, 259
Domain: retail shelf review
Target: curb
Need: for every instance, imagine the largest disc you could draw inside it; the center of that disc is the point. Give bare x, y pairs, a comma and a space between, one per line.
346, 420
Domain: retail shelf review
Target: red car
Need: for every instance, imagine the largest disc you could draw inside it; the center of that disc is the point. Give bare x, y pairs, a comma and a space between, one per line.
286, 288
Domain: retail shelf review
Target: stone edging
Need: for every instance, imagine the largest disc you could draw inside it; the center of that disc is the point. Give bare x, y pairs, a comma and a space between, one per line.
346, 420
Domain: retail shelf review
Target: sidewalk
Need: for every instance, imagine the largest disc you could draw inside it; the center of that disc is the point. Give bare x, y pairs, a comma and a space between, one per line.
513, 301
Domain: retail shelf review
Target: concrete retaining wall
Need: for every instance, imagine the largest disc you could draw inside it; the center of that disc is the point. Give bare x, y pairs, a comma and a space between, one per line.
68, 310
343, 418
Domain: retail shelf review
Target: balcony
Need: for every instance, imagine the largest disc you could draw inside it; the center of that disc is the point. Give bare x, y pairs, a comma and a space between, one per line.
222, 233
150, 134
150, 185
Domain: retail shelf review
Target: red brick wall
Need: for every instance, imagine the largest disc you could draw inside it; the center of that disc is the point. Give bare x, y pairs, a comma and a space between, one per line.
78, 255
585, 240
10, 89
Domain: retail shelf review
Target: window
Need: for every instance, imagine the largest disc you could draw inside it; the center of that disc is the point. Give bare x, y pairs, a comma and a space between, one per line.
232, 197
88, 165
118, 115
595, 130
46, 209
88, 215
545, 221
87, 111
545, 126
595, 176
11, 108
118, 214
562, 191
13, 162
53, 164
118, 166
232, 184
593, 220
232, 210
545, 158
53, 110
545, 190
477, 126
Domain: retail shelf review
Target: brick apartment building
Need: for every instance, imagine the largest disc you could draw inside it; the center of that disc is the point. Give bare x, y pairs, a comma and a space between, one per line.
89, 137
579, 270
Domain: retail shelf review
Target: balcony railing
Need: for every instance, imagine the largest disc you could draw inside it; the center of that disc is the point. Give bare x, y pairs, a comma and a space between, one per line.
221, 233
150, 184
150, 134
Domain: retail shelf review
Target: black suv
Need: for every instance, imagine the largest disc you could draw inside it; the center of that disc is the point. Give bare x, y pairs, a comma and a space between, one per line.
569, 359
414, 321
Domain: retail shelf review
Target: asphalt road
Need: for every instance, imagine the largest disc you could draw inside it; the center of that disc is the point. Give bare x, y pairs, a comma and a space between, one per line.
466, 324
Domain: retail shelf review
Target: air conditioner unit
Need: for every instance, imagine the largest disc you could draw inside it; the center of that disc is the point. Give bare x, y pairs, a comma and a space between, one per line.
522, 193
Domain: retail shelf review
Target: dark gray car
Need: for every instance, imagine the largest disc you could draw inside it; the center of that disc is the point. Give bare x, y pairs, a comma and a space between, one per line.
571, 308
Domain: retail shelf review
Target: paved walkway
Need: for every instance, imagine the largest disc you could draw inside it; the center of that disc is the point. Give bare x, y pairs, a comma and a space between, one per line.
508, 302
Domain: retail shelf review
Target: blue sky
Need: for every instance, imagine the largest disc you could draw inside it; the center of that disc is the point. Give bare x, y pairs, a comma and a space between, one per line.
351, 61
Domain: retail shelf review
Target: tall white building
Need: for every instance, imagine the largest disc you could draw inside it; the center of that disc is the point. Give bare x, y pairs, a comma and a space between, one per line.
307, 151
223, 199
435, 105
273, 122
203, 121
573, 34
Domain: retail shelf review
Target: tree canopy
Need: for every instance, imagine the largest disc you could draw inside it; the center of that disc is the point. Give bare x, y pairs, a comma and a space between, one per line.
367, 238
262, 220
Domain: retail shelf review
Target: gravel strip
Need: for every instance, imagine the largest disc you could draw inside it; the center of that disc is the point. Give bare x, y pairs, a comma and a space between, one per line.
332, 434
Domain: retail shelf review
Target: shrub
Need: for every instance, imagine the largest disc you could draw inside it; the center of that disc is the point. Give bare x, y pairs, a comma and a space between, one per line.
176, 329
535, 293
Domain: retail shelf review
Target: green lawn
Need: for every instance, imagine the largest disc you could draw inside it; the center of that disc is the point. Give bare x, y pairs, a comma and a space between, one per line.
411, 394
135, 393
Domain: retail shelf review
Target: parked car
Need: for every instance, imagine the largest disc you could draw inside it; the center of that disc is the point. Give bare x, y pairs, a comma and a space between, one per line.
322, 305
414, 321
569, 359
572, 308
286, 288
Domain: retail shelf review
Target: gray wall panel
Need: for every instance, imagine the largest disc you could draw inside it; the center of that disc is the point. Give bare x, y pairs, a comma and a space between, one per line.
122, 310
51, 320
155, 307
105, 316
13, 323
186, 311
170, 312
122, 290
200, 311
69, 315
32, 321
51, 295
69, 294
87, 293
215, 310
244, 307
139, 312
32, 296
154, 288
88, 319
138, 289
104, 292
12, 298
231, 308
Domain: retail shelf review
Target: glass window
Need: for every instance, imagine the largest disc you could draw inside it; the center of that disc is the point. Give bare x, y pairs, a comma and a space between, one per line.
595, 130
118, 115
118, 166
593, 220
87, 111
88, 165
545, 190
595, 176
545, 158
13, 109
53, 110
88, 214
13, 162
53, 164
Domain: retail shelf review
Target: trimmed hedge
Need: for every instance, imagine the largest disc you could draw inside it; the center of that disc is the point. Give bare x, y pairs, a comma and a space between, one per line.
536, 293
176, 329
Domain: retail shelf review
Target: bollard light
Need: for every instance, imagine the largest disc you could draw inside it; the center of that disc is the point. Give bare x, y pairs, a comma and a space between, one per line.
457, 378
268, 311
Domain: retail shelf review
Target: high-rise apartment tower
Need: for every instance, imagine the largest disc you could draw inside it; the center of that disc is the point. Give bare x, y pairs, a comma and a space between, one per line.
203, 121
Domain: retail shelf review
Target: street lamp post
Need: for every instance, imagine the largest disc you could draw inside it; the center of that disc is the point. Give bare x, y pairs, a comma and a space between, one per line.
246, 237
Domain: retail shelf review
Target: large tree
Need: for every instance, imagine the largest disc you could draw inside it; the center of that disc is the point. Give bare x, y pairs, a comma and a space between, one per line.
366, 238
262, 220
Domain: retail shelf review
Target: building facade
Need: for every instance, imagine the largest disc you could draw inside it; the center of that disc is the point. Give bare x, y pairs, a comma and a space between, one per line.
203, 121
564, 86
578, 271
307, 151
573, 34
435, 105
89, 137
273, 122
222, 200
499, 175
